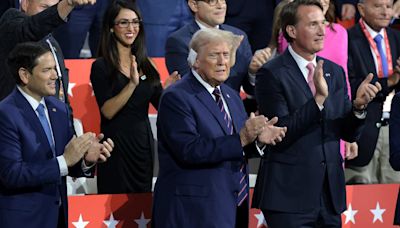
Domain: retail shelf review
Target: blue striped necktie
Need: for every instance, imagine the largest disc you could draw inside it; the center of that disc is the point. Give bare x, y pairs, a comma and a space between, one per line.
46, 126
244, 181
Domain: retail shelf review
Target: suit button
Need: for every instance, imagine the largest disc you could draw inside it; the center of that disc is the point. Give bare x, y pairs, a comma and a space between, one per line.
323, 163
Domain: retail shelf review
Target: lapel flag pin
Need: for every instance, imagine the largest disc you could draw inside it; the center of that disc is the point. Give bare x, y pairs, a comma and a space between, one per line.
54, 109
143, 77
327, 74
227, 95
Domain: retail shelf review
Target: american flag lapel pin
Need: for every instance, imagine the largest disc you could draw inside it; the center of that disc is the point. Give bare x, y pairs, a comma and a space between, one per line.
327, 74
54, 109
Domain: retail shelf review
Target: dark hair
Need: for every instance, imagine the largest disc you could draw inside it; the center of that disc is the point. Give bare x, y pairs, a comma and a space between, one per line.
108, 44
289, 14
25, 55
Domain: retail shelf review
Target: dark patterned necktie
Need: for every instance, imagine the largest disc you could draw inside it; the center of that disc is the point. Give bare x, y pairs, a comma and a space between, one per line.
244, 181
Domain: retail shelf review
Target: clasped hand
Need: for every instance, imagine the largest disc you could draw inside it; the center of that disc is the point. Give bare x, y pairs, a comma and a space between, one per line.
263, 129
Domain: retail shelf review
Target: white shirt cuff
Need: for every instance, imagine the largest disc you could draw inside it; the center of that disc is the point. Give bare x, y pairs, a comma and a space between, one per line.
85, 168
360, 114
62, 164
252, 79
260, 150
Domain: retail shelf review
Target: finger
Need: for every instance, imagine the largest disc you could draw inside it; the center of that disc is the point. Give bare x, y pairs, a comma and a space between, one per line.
378, 85
252, 115
101, 158
368, 79
100, 137
273, 121
107, 147
110, 142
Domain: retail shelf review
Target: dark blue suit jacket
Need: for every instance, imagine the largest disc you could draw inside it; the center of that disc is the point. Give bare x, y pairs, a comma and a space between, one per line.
177, 51
30, 182
199, 174
394, 133
291, 176
360, 64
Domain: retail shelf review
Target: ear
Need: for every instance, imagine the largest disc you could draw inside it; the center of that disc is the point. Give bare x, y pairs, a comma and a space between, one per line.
361, 9
192, 5
24, 75
291, 31
24, 5
196, 64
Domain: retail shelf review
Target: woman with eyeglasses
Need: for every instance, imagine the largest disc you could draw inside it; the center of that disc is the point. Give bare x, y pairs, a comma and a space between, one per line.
125, 81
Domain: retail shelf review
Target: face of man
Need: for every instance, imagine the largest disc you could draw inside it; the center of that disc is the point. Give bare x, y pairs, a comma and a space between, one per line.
209, 15
33, 7
309, 32
376, 13
41, 81
213, 62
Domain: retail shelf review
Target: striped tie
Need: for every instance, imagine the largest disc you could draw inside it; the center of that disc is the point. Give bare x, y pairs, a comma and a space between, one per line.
244, 181
220, 104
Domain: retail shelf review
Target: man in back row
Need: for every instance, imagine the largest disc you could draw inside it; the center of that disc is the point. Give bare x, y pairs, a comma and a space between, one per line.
211, 14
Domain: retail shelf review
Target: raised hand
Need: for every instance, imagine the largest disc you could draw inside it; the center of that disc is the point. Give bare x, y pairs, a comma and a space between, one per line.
321, 87
366, 92
174, 77
272, 134
80, 2
260, 57
134, 74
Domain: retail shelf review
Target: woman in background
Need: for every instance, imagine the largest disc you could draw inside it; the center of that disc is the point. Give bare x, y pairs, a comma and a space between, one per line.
125, 82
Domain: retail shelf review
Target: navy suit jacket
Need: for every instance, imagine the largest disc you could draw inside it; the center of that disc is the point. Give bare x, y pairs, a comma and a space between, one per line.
291, 176
360, 64
30, 182
177, 51
199, 174
394, 133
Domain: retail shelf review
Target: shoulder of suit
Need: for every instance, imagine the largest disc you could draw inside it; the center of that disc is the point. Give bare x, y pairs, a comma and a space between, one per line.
184, 31
233, 29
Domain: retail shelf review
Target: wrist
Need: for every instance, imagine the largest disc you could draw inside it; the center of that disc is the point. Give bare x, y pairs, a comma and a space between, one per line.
358, 107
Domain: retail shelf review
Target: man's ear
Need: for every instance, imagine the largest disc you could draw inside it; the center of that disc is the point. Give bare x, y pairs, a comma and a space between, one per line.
361, 9
193, 5
24, 5
291, 31
24, 75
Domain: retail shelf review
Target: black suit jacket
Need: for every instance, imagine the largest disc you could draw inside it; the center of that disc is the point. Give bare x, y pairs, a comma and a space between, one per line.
16, 27
360, 64
291, 175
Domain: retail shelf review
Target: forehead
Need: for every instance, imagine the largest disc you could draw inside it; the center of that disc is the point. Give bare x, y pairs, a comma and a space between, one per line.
378, 1
309, 14
217, 46
43, 2
45, 60
126, 14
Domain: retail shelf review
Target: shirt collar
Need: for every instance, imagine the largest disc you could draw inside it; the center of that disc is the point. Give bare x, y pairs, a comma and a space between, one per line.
373, 33
32, 101
301, 62
208, 87
203, 26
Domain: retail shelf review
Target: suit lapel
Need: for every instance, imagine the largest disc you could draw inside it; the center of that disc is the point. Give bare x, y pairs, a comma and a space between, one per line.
56, 124
365, 51
206, 99
233, 108
294, 71
30, 115
194, 27
393, 45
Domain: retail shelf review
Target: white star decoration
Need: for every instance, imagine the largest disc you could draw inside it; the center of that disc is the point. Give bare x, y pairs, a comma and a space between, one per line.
142, 221
260, 220
350, 213
111, 223
377, 213
70, 86
80, 223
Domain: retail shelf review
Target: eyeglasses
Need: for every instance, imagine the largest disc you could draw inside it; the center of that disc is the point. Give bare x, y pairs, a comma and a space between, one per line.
213, 2
125, 23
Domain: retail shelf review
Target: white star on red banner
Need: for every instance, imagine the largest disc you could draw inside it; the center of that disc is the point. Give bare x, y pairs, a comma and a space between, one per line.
80, 223
377, 212
111, 223
142, 221
350, 213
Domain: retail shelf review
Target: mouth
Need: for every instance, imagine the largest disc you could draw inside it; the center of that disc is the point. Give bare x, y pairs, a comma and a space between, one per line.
129, 35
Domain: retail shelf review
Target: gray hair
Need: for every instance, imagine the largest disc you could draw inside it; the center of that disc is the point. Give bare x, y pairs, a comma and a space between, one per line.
207, 35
